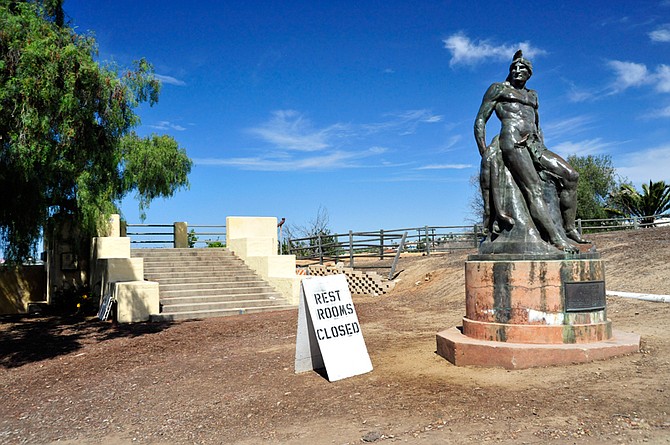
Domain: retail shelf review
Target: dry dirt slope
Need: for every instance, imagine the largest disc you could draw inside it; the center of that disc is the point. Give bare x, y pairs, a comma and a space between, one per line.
231, 380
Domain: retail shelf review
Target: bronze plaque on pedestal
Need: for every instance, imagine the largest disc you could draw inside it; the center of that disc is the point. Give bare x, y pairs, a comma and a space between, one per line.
584, 296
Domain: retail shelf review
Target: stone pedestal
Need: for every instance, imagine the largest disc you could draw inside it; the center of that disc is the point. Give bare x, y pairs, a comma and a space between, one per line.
547, 307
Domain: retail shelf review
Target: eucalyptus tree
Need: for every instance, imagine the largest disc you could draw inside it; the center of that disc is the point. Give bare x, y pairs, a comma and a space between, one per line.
67, 145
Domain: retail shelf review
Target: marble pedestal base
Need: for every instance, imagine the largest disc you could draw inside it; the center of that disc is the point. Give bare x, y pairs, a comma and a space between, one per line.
525, 310
465, 351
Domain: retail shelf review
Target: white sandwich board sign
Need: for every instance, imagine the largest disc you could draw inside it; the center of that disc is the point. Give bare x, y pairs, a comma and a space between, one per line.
329, 334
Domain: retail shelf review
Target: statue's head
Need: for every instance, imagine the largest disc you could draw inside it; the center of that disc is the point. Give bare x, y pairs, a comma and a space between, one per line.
518, 62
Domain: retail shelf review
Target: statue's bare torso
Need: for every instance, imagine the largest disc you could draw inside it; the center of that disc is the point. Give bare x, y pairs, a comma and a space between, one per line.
524, 154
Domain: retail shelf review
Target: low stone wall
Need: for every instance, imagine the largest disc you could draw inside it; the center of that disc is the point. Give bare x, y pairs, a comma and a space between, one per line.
360, 282
21, 286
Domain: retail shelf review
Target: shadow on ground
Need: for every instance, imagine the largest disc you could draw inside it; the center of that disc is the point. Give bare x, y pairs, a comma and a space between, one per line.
26, 339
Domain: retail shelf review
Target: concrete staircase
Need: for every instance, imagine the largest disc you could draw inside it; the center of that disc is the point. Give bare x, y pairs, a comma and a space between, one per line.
204, 283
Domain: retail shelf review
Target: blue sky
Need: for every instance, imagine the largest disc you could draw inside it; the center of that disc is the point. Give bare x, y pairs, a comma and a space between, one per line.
366, 108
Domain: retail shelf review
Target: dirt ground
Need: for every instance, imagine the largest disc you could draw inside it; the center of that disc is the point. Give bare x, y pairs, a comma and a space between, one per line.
231, 380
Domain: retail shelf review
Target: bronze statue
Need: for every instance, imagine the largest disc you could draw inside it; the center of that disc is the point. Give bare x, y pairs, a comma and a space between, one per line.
519, 174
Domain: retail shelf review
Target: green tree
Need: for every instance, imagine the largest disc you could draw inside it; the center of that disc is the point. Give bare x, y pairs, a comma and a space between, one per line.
597, 180
67, 146
654, 200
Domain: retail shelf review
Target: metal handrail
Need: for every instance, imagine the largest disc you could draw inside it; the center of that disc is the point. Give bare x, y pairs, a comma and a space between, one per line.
148, 235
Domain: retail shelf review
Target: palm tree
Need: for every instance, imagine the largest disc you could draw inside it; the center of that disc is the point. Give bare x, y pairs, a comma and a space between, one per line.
654, 200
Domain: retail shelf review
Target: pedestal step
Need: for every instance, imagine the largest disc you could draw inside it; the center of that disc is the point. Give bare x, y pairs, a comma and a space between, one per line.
465, 351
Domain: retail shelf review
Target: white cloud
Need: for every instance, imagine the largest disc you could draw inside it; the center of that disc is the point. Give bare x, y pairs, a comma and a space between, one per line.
293, 142
290, 130
571, 125
414, 176
656, 113
445, 167
576, 95
451, 142
580, 94
663, 78
166, 125
582, 148
467, 52
330, 161
645, 165
661, 34
402, 123
629, 74
170, 80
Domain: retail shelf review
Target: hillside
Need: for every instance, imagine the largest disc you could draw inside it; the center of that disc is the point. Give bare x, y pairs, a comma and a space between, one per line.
231, 380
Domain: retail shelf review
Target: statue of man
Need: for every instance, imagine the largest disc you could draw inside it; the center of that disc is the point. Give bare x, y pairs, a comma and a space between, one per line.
521, 144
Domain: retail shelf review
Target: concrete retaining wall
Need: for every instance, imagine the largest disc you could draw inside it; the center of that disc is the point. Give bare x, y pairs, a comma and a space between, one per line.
360, 282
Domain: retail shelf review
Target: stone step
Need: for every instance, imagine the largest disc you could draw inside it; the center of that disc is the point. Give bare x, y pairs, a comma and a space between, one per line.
197, 273
271, 296
171, 253
244, 276
204, 283
185, 267
213, 284
219, 305
173, 262
224, 256
178, 277
220, 292
197, 315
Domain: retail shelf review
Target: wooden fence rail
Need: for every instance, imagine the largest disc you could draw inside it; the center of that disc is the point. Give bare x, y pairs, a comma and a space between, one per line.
382, 244
623, 223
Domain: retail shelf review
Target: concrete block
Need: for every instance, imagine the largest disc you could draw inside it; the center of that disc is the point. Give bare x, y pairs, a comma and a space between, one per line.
288, 287
281, 266
250, 227
249, 247
114, 225
136, 301
108, 270
123, 269
273, 266
254, 240
110, 247
180, 231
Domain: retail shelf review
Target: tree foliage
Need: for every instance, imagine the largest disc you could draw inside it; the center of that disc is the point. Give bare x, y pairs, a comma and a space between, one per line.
67, 148
597, 180
654, 200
